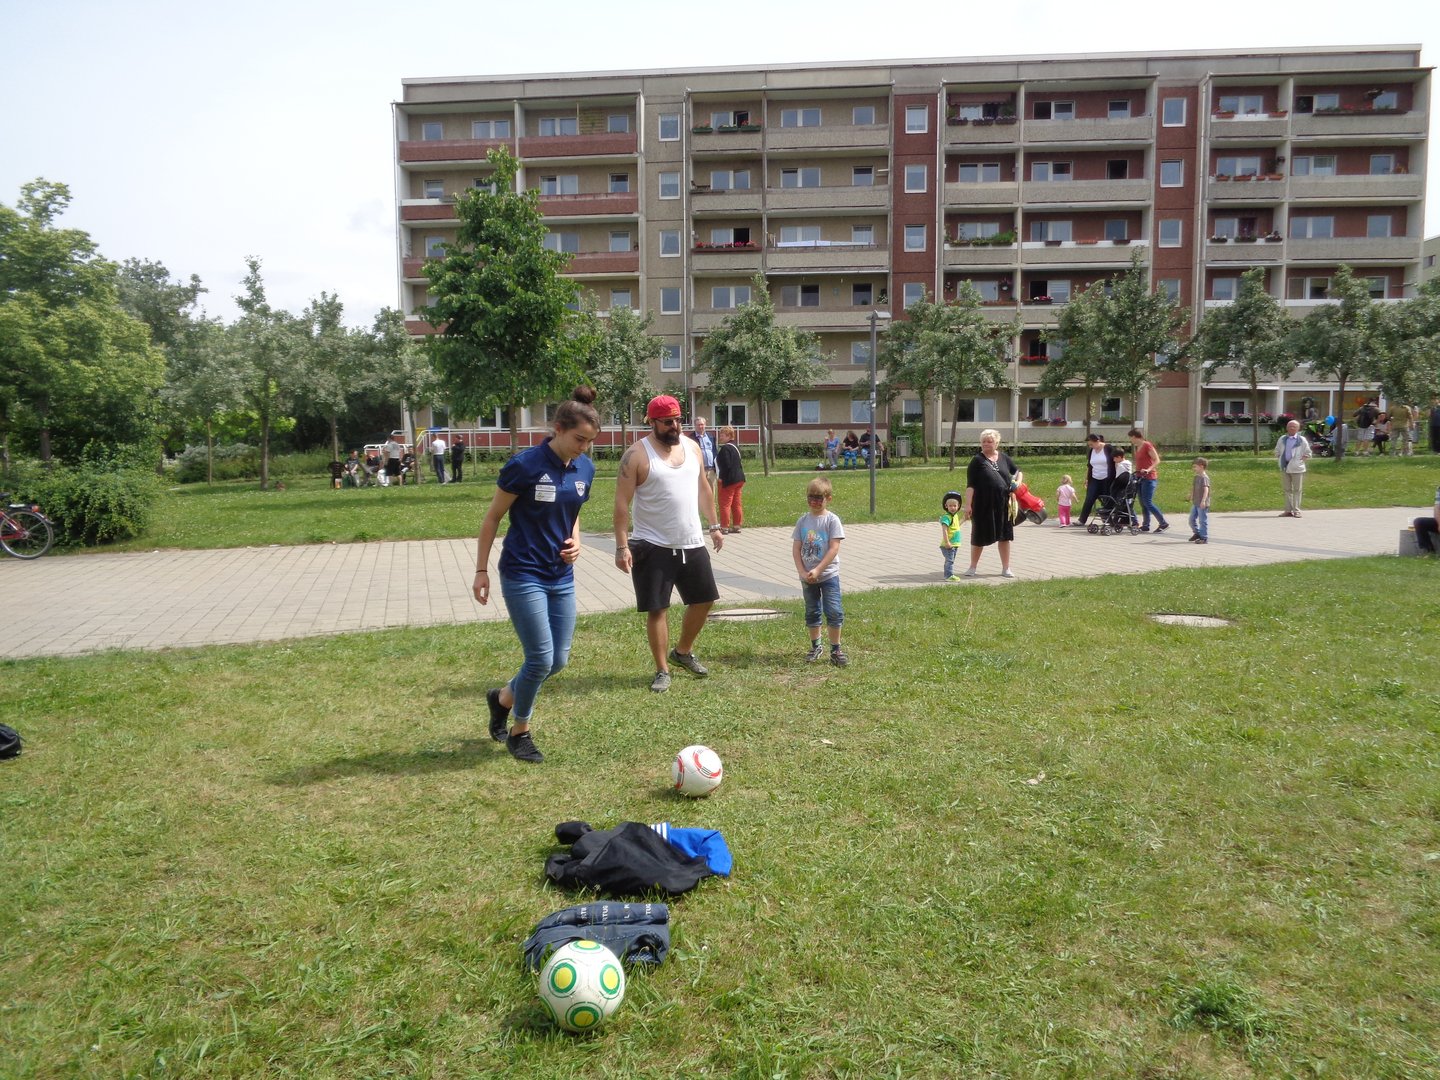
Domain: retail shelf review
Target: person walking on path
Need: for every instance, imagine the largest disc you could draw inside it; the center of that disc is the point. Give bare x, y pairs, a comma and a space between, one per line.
1292, 451
438, 449
664, 476
989, 480
1200, 503
1147, 468
457, 459
732, 481
541, 489
1098, 476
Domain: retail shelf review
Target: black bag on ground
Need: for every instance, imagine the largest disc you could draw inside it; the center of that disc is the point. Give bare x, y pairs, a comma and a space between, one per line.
636, 933
628, 860
10, 742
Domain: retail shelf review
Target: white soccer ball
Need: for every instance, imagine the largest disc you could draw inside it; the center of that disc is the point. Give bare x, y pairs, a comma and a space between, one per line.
582, 984
696, 771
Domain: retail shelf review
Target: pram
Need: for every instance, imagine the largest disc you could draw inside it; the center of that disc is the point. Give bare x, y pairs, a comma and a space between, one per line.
1032, 507
1116, 511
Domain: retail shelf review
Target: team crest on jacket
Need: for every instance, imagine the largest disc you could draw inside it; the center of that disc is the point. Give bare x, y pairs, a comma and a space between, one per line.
580, 488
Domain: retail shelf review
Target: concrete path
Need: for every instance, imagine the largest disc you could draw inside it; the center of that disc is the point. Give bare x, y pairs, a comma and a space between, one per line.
165, 599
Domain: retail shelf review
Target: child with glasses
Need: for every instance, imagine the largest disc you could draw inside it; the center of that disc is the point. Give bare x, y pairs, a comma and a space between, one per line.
816, 550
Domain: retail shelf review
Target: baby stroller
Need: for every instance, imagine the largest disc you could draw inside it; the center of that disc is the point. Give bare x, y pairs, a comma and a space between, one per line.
1032, 507
1116, 511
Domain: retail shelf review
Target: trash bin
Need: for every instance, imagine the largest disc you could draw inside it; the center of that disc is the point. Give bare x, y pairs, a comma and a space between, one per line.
902, 446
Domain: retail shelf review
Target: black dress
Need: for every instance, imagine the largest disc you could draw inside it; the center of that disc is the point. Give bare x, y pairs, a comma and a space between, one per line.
990, 507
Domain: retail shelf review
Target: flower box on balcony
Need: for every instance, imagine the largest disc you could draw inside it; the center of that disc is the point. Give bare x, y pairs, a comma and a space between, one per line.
1273, 238
1219, 239
728, 129
1034, 360
701, 129
1246, 239
1240, 178
1087, 243
1210, 418
1038, 300
1221, 178
1039, 421
1274, 176
985, 121
1007, 120
1223, 114
1053, 243
1058, 421
1120, 241
958, 121
1279, 112
749, 129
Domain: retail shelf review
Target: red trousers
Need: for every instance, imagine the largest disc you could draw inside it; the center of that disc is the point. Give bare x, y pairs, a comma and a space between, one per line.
730, 508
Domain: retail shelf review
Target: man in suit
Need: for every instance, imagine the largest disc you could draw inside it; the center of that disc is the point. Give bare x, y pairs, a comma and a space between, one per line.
1292, 451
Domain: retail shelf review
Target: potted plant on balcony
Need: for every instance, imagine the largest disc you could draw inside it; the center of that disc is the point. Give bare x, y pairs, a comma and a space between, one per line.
1210, 418
1218, 239
1038, 300
1058, 421
1224, 114
1227, 418
1242, 418
1039, 421
1246, 238
750, 128
728, 129
1273, 237
701, 129
1053, 243
1120, 241
1221, 178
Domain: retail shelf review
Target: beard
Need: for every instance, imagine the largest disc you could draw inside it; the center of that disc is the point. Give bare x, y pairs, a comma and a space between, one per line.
667, 436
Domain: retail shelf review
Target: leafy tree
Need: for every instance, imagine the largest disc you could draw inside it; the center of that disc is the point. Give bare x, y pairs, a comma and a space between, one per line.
1252, 336
621, 355
1343, 341
396, 367
1084, 359
167, 307
751, 358
267, 346
1409, 365
947, 349
502, 304
331, 367
202, 383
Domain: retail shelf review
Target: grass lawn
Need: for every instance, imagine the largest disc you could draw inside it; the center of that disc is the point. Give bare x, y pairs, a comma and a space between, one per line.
1028, 833
309, 512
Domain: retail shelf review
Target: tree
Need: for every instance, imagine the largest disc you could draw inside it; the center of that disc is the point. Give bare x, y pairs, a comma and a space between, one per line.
1251, 335
1083, 360
331, 364
947, 349
1342, 341
395, 367
501, 303
1409, 365
167, 307
202, 382
266, 347
751, 358
620, 358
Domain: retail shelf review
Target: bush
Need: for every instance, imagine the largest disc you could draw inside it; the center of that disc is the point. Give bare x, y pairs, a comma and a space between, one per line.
236, 461
96, 501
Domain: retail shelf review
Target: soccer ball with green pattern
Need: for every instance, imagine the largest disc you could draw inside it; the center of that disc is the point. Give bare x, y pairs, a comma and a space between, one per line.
581, 985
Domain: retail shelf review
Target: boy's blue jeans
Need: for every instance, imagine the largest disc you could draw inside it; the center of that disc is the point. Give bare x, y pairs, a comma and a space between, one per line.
949, 553
823, 594
1200, 521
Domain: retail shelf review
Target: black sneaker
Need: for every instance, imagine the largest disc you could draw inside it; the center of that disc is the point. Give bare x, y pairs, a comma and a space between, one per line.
522, 748
838, 658
499, 715
688, 662
1194, 537
1201, 540
817, 650
1163, 526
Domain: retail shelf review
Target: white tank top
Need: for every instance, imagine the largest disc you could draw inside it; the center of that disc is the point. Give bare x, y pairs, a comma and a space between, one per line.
667, 504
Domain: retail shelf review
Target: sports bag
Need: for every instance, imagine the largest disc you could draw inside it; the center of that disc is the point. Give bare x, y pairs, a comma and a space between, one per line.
10, 742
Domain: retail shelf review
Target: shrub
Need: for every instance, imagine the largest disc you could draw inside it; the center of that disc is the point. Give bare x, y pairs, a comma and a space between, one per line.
237, 461
96, 501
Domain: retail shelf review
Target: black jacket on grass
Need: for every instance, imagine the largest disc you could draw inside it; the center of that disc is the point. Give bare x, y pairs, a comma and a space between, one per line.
628, 860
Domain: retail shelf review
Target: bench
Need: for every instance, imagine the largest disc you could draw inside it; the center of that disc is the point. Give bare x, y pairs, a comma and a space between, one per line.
1408, 544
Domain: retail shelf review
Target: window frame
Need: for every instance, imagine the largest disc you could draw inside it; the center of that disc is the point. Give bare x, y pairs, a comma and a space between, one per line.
923, 171
1162, 227
801, 116
855, 113
432, 131
668, 122
917, 237
1166, 117
911, 293
665, 242
675, 293
1175, 167
923, 113
668, 181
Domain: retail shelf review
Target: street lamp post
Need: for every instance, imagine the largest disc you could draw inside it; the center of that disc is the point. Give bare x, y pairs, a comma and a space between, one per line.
875, 317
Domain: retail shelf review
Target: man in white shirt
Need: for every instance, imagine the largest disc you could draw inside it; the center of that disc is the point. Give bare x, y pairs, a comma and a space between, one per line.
437, 456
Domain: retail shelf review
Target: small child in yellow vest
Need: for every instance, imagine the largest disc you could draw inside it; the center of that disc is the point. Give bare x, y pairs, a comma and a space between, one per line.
950, 521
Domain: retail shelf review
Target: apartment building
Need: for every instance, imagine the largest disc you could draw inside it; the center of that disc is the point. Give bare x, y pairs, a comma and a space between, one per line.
859, 188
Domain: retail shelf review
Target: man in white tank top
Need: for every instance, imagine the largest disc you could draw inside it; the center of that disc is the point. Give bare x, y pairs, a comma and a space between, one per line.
665, 549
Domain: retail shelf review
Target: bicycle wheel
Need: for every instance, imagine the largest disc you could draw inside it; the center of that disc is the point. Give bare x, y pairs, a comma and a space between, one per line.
25, 534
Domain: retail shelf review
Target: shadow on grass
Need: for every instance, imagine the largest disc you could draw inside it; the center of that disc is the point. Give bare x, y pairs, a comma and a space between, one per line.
469, 752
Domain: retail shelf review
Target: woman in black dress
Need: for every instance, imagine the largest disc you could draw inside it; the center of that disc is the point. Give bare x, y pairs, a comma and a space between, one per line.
989, 480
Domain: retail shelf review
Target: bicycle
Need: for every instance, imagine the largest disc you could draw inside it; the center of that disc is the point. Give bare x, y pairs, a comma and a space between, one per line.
24, 531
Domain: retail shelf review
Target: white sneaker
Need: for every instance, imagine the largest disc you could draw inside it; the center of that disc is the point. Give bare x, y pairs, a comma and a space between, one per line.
969, 573
1007, 572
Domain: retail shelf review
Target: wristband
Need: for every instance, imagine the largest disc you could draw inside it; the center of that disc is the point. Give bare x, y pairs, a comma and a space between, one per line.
716, 528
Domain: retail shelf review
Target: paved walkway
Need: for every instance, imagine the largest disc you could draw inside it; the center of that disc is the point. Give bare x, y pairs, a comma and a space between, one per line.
164, 599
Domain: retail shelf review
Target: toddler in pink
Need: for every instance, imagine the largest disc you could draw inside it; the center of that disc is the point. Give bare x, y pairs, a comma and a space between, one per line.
1064, 498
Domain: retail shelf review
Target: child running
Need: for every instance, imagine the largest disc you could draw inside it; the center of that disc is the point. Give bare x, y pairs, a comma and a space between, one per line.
950, 521
1064, 499
816, 550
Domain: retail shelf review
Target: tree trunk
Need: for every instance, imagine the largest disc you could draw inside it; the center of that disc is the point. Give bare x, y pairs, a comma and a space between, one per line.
1340, 426
334, 437
764, 443
264, 449
1254, 415
209, 450
925, 426
954, 431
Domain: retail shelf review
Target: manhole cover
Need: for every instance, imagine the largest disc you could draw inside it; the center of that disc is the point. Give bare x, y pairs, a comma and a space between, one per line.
1189, 620
745, 614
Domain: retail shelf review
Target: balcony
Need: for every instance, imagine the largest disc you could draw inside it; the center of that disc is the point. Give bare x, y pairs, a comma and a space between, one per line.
730, 258
998, 193
1041, 315
968, 257
1080, 132
540, 147
981, 133
598, 204
1085, 192
1366, 188
862, 137
1245, 189
1369, 125
816, 320
1246, 252
860, 258
413, 269
441, 151
431, 211
420, 328
1074, 253
830, 200
1352, 248
703, 200
604, 262
1248, 127
725, 142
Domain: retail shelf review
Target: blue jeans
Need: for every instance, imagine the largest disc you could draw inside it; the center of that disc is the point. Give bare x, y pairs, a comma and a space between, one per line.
543, 614
1147, 502
1200, 521
824, 593
949, 553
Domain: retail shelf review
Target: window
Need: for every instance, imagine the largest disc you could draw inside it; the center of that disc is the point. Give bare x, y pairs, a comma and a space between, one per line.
1172, 112
1117, 229
435, 247
432, 131
730, 235
1326, 101
1170, 289
914, 237
434, 189
1172, 174
619, 183
563, 184
862, 176
729, 179
916, 178
484, 183
669, 127
729, 297
1050, 170
730, 119
1389, 99
860, 353
620, 241
1228, 406
1377, 226
1316, 227
559, 125
1312, 288
802, 411
989, 290
862, 295
497, 418
917, 119
670, 300
795, 118
979, 172
913, 292
912, 410
1248, 165
799, 235
1227, 227
975, 410
619, 298
860, 410
670, 358
1314, 165
669, 185
800, 178
1117, 169
976, 230
1382, 164
617, 124
800, 296
1170, 232
733, 415
563, 241
1378, 287
1037, 408
862, 234
1241, 104
862, 115
970, 112
1224, 288
1054, 110
1118, 110
1059, 289
1050, 230
669, 242
490, 129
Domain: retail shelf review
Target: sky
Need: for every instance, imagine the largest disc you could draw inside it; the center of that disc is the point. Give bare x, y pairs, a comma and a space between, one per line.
196, 134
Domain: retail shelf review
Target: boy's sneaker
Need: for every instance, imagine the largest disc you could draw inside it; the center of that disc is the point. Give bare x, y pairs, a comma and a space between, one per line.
1202, 540
689, 663
660, 683
838, 658
498, 715
522, 748
1163, 526
956, 577
817, 650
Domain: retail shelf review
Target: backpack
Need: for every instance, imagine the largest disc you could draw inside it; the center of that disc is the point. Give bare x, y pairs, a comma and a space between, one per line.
10, 742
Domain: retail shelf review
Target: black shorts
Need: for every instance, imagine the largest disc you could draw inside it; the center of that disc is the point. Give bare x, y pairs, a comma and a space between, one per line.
657, 570
392, 466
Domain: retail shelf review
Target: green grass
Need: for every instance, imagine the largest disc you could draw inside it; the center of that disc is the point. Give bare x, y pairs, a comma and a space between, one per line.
309, 512
306, 859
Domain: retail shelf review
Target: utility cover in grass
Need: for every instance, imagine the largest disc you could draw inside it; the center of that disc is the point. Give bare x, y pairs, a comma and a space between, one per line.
1189, 620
